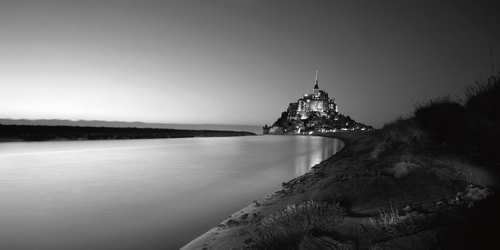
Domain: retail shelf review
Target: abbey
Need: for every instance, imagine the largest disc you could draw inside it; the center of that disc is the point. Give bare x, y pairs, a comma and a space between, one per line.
318, 101
314, 112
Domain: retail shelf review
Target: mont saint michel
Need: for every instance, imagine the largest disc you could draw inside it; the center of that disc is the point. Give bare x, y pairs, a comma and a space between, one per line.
314, 112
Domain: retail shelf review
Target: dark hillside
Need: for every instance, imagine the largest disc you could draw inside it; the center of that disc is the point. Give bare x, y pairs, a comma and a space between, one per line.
470, 129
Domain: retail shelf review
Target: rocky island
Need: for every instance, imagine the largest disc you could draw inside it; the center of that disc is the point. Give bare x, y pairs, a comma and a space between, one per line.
314, 112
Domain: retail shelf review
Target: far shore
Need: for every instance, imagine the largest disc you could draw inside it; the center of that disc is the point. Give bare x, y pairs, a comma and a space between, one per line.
365, 184
17, 133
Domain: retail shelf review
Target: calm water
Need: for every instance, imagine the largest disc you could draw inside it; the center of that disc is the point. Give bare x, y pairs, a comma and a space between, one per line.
140, 194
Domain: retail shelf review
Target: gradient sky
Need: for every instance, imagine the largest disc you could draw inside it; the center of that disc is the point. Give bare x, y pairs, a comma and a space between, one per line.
237, 61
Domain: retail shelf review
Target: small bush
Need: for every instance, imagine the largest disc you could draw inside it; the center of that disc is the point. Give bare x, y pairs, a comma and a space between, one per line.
400, 134
404, 130
392, 225
402, 169
475, 193
286, 229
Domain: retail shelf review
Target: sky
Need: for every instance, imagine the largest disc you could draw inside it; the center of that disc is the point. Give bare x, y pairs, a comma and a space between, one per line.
237, 61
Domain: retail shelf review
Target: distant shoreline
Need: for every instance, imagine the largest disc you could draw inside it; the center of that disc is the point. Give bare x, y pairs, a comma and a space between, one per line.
17, 133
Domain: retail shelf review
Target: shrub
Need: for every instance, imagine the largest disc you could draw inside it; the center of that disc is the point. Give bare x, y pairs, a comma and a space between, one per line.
474, 193
402, 169
402, 133
392, 225
483, 106
404, 130
442, 117
286, 229
483, 99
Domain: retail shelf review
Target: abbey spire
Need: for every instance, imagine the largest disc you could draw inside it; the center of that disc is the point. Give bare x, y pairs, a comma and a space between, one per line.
316, 87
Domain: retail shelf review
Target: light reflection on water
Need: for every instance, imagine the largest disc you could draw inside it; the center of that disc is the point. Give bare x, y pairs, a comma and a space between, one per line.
325, 148
140, 194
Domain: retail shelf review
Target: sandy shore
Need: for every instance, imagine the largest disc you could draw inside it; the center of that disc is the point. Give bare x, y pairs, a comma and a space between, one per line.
364, 183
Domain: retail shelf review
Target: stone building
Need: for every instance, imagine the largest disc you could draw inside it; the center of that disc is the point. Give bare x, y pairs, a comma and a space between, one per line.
318, 102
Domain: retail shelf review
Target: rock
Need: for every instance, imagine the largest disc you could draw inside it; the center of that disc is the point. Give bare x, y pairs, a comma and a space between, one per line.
204, 247
232, 223
407, 209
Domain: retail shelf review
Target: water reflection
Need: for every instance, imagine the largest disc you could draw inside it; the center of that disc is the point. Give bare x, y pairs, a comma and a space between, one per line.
326, 147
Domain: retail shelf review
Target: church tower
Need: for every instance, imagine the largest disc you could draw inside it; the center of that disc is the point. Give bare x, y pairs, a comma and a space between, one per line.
316, 87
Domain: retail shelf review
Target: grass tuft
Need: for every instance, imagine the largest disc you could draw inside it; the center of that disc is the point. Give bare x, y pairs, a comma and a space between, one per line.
392, 225
286, 229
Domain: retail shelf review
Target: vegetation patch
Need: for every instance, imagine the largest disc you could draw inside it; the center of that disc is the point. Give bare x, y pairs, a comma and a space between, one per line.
393, 225
402, 169
286, 229
442, 125
475, 193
